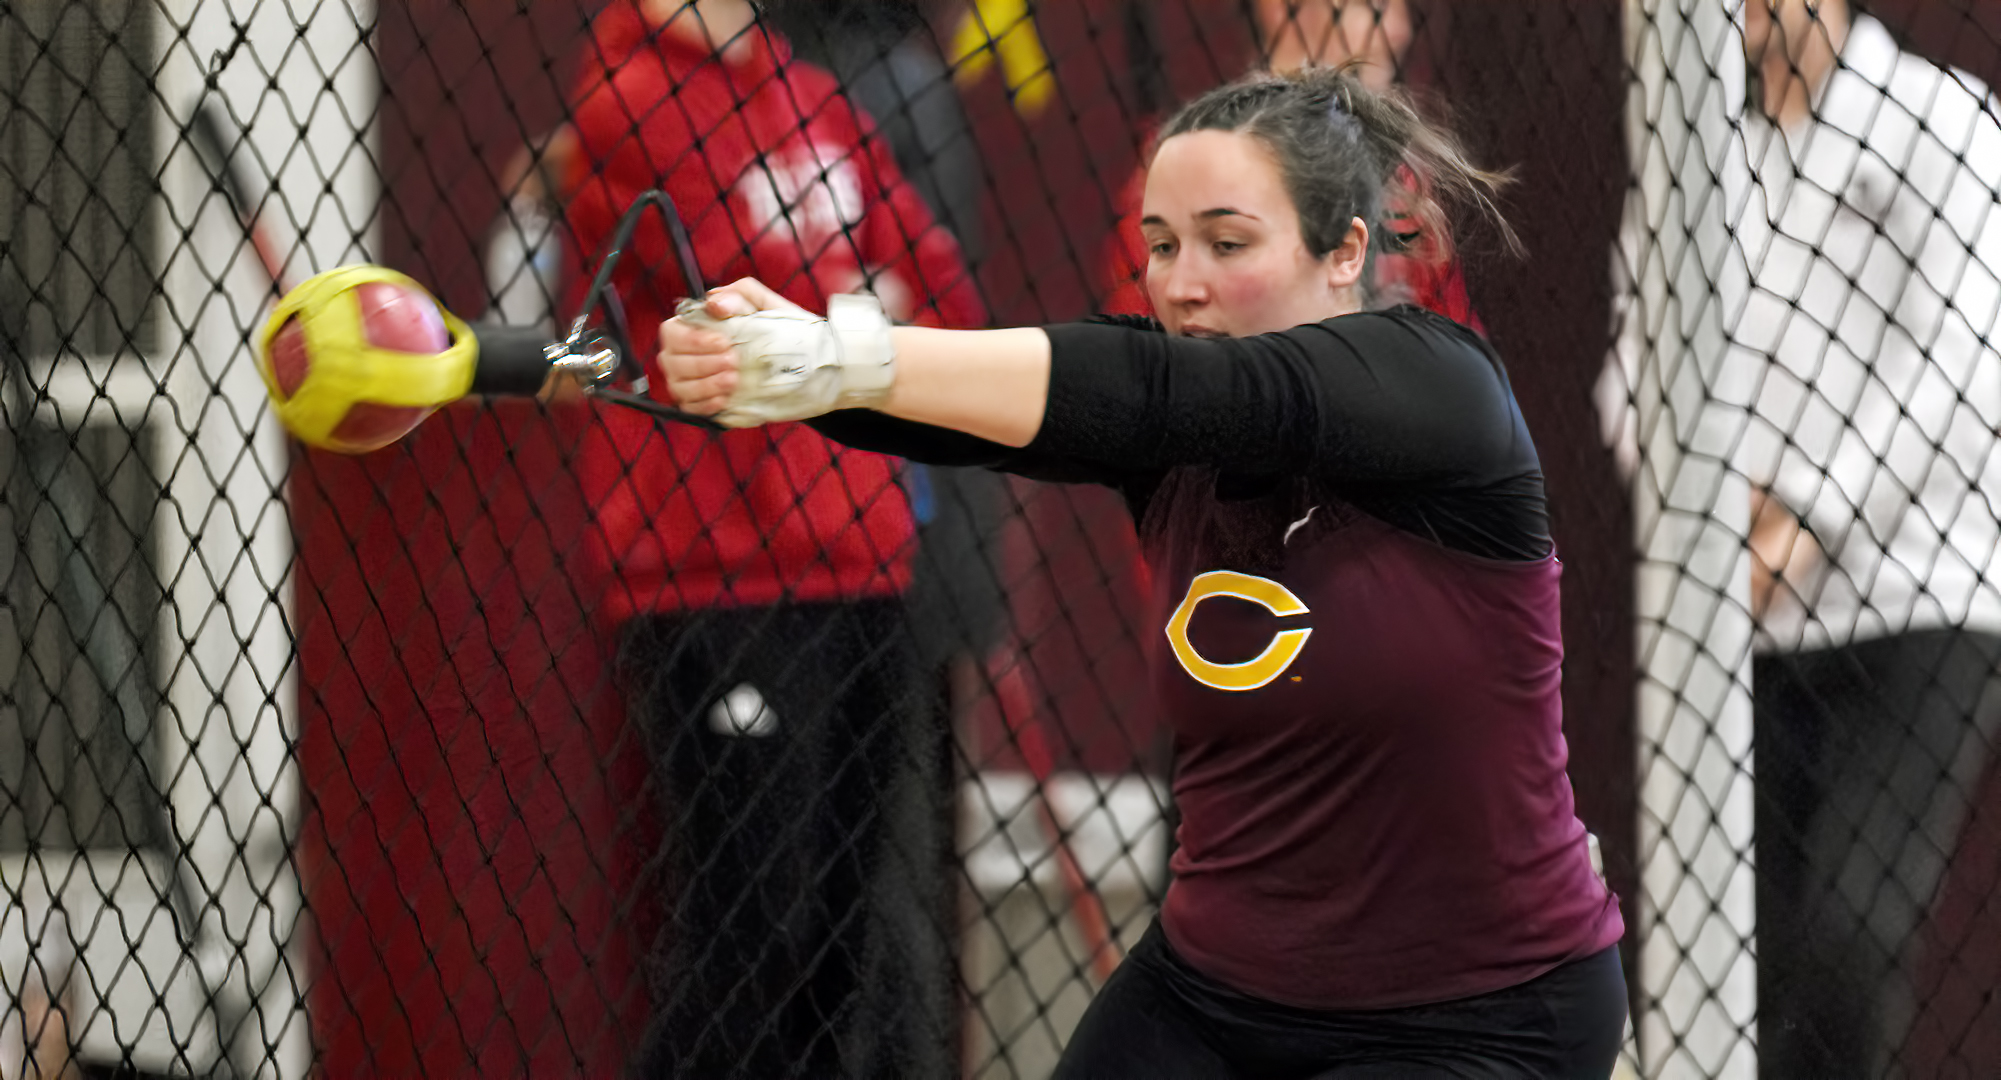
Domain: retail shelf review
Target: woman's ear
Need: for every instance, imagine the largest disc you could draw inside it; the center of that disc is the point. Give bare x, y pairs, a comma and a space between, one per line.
1347, 263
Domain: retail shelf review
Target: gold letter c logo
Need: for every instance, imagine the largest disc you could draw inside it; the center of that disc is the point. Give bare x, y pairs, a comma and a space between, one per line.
1259, 670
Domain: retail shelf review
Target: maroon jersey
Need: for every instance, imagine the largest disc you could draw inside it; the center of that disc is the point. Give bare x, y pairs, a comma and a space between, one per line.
1369, 755
1358, 648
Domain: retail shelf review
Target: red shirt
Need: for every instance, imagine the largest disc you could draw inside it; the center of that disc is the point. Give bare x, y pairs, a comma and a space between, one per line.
777, 176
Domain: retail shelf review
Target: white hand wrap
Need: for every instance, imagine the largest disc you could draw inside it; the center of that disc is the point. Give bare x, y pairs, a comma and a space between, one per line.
794, 365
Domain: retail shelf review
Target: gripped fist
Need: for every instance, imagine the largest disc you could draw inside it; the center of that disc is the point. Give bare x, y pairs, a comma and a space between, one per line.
746, 356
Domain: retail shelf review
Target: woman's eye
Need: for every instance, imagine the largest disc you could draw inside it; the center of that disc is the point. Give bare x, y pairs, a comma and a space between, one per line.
1227, 247
1161, 250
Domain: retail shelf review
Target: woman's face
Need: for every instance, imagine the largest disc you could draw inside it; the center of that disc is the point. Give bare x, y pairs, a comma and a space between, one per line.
1225, 255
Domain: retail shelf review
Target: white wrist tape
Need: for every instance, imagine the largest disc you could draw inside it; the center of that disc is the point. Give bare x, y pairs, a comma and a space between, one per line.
794, 365
868, 359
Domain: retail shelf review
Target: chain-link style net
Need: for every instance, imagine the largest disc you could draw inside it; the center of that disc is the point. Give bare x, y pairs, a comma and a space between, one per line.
1805, 397
561, 739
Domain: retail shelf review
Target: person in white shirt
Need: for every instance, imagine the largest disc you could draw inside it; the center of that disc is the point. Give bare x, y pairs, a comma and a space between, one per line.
1872, 239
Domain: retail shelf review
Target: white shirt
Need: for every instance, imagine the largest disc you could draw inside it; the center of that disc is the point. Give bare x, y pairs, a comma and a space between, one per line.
1872, 238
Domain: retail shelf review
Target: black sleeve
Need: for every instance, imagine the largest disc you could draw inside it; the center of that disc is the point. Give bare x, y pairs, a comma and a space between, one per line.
865, 429
1404, 412
1371, 398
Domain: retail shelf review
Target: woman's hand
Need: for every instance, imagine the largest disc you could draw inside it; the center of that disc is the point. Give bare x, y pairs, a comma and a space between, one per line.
700, 366
745, 295
747, 356
698, 359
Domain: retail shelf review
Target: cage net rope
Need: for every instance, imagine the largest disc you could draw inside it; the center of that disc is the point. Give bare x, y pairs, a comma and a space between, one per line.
555, 739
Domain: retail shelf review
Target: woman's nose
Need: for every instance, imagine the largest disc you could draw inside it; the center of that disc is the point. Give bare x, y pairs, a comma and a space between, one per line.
1184, 283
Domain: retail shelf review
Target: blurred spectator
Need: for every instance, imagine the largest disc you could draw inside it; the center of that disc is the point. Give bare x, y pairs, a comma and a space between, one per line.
524, 248
1376, 34
757, 576
887, 61
1872, 239
38, 970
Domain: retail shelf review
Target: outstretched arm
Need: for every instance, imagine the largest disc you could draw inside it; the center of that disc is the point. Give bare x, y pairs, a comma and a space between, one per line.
990, 383
1409, 415
1411, 400
993, 384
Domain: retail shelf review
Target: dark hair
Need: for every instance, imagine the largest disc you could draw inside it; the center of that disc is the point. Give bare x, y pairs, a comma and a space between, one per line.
1341, 146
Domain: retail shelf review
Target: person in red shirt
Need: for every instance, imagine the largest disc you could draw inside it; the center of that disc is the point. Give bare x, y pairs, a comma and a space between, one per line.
1379, 868
756, 576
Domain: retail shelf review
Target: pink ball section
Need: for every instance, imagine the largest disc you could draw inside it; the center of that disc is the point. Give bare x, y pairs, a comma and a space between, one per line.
289, 361
394, 317
403, 319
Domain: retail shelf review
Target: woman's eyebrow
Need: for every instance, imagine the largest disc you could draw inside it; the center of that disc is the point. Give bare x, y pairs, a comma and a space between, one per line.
1207, 215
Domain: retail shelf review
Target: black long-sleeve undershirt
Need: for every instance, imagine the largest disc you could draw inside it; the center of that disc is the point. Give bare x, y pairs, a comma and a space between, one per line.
1403, 413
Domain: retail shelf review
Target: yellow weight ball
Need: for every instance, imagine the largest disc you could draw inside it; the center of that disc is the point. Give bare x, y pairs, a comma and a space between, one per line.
356, 357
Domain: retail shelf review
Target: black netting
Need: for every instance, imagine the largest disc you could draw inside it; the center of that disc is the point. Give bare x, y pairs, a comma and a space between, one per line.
562, 738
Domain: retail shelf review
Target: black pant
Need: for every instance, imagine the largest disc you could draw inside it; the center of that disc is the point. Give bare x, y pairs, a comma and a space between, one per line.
1159, 1019
1867, 757
805, 839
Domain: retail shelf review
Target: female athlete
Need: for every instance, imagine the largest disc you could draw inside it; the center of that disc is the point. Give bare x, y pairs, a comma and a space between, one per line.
1380, 872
